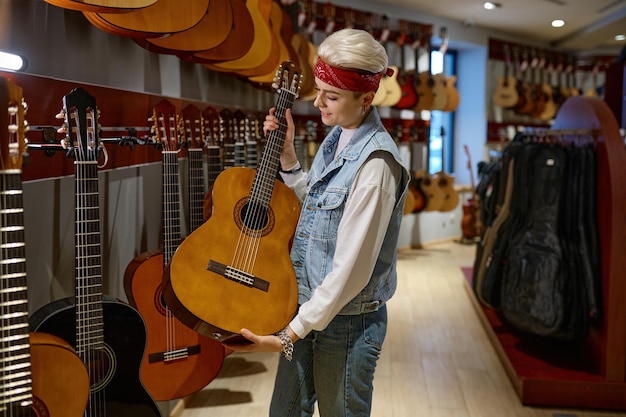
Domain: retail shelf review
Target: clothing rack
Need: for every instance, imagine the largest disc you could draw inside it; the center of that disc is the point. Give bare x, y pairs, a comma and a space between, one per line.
554, 374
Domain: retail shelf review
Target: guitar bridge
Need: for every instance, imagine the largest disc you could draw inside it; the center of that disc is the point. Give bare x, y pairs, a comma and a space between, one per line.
239, 276
174, 355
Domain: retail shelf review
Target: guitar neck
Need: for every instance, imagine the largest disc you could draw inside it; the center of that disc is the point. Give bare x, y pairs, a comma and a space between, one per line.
171, 205
88, 260
270, 160
14, 318
196, 187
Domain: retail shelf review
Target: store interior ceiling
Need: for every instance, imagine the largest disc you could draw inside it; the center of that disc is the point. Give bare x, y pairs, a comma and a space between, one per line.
589, 24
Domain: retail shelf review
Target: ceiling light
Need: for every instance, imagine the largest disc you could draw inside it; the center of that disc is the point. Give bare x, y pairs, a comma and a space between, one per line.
620, 37
558, 23
11, 62
491, 5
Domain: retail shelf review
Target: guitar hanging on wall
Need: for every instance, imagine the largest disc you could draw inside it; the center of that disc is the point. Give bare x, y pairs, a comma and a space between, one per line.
178, 361
40, 374
108, 335
234, 271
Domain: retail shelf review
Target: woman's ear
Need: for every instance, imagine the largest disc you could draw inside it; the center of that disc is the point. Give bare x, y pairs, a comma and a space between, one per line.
368, 98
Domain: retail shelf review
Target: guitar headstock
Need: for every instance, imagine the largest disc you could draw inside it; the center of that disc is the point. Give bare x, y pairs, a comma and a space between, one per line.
211, 126
167, 126
287, 79
13, 145
80, 125
193, 127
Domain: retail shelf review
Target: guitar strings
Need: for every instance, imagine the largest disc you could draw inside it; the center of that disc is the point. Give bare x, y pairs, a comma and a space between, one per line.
246, 250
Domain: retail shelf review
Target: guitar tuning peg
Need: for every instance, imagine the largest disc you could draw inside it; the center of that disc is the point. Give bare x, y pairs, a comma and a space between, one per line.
60, 115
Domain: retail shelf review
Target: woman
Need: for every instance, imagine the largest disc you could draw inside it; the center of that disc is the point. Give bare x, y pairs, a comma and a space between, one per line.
345, 246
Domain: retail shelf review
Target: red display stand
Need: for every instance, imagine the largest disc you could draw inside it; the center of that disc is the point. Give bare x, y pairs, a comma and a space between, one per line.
591, 374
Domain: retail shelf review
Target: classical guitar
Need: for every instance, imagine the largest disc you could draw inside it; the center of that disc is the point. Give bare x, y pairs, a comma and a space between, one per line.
453, 98
102, 6
178, 361
237, 43
234, 271
445, 182
108, 335
420, 199
389, 83
41, 375
408, 98
159, 19
471, 226
505, 94
423, 81
211, 125
427, 184
209, 32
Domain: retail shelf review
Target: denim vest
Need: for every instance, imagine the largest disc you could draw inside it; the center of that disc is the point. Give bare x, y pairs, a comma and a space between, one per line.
329, 183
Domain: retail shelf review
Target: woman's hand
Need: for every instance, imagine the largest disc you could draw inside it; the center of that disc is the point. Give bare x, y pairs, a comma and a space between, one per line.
258, 343
288, 157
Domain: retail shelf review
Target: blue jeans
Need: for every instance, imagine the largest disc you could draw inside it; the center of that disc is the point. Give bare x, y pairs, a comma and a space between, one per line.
334, 366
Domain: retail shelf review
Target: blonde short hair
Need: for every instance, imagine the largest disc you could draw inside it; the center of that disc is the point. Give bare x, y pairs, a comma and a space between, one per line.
353, 49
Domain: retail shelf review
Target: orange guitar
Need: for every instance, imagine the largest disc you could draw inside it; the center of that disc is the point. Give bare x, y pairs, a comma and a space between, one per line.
446, 184
234, 271
178, 361
57, 384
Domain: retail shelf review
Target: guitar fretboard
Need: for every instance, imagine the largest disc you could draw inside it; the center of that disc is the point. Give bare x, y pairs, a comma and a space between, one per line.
15, 369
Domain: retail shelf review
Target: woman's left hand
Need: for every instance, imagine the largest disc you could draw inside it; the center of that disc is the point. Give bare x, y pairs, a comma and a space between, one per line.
258, 343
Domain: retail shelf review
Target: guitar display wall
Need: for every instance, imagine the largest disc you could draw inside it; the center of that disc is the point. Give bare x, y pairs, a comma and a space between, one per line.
529, 84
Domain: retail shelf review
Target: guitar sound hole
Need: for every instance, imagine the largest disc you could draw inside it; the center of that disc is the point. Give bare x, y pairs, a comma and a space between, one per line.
254, 219
100, 366
254, 216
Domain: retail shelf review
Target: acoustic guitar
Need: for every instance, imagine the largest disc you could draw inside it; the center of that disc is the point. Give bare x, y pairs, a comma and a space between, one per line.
423, 80
162, 18
453, 98
427, 184
41, 375
211, 125
389, 83
234, 271
471, 225
408, 98
237, 43
178, 361
506, 93
209, 32
445, 182
102, 6
419, 198
108, 335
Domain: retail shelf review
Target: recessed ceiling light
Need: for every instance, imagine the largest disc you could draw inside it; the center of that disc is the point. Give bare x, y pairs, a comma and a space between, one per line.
620, 37
558, 23
491, 5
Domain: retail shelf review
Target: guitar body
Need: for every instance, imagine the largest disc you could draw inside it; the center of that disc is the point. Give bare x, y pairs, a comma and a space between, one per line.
220, 307
432, 191
161, 18
237, 43
53, 360
392, 88
450, 195
199, 358
506, 94
424, 84
440, 96
117, 392
453, 98
418, 196
102, 6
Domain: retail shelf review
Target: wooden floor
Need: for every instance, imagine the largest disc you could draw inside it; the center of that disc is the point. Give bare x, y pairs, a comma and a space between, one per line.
436, 360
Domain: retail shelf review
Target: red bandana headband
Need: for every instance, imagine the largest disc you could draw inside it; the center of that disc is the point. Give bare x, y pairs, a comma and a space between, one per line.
346, 79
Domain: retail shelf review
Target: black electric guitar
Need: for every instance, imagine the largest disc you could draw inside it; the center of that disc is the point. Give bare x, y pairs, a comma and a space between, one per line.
40, 374
108, 335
